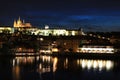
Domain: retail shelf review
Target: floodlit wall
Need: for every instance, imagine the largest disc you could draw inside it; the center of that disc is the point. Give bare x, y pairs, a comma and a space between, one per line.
43, 32
96, 49
55, 32
6, 30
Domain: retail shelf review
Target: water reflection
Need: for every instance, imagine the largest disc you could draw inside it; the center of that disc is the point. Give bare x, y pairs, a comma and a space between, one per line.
16, 73
53, 66
96, 64
55, 61
43, 63
47, 63
22, 60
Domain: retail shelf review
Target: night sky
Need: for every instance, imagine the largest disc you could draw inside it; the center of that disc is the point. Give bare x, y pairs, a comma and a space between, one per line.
91, 15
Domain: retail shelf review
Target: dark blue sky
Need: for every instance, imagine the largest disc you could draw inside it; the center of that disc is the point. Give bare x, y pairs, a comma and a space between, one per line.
93, 15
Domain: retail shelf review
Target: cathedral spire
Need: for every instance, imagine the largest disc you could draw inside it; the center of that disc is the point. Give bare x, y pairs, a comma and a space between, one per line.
14, 25
19, 18
23, 21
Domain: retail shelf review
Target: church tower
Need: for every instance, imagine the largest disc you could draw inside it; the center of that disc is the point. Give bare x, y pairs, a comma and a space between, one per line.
15, 23
19, 23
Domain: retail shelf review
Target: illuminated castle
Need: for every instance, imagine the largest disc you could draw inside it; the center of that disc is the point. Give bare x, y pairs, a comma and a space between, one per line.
21, 23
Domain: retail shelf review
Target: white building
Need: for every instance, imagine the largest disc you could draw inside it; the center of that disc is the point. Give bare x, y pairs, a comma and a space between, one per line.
96, 49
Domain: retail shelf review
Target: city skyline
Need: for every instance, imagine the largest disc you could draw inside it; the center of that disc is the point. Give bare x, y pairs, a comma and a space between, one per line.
92, 15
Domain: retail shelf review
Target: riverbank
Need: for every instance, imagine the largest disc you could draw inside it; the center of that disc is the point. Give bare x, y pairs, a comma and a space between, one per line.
86, 55
115, 56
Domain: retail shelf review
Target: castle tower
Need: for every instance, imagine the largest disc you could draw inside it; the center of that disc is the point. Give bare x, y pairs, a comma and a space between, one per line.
15, 23
19, 22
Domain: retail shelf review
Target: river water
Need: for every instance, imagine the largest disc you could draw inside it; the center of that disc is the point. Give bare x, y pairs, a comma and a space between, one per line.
58, 68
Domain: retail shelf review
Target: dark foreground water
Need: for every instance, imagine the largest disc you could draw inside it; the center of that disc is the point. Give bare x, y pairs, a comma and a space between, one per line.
54, 68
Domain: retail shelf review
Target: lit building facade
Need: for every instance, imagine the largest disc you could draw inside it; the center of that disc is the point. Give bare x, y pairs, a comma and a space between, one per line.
6, 30
56, 32
21, 23
96, 49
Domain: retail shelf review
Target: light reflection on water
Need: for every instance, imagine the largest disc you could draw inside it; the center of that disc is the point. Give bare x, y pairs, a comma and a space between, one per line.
45, 63
48, 64
96, 64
